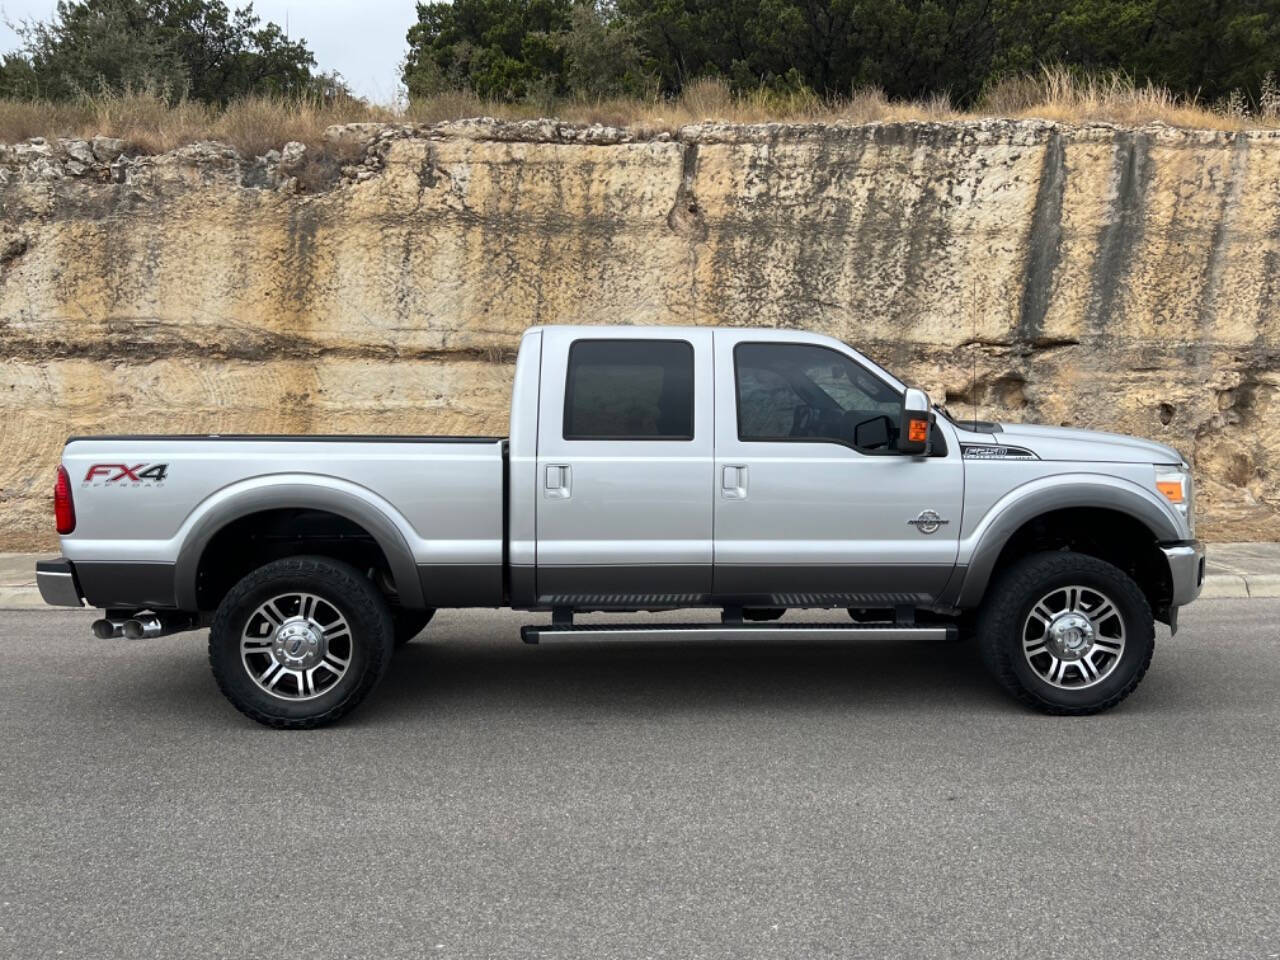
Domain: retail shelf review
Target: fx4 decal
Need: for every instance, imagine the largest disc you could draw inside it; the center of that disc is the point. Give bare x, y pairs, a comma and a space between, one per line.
101, 474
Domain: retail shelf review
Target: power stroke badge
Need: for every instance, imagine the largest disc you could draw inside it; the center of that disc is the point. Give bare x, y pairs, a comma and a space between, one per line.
928, 521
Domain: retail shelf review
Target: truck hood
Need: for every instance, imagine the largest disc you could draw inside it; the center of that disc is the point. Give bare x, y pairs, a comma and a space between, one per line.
1068, 443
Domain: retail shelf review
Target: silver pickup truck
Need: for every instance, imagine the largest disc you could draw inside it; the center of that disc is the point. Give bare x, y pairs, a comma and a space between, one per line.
752, 471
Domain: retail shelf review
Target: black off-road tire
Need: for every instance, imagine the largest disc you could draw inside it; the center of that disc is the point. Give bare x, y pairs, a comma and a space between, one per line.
410, 623
1008, 603
338, 584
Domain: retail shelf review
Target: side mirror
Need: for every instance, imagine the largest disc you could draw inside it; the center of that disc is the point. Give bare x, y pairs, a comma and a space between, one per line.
873, 434
913, 431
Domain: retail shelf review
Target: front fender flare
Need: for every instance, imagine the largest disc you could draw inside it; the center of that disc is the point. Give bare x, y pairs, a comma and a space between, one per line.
1064, 491
295, 492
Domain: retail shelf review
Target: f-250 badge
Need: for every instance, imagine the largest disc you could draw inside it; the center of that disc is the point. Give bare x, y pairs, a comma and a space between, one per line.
110, 474
928, 521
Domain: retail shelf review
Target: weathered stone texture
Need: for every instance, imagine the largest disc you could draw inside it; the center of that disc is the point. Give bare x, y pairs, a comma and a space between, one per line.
1101, 277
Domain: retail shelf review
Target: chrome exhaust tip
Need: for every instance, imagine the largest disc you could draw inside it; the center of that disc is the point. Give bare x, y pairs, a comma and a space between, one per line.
150, 625
105, 629
140, 628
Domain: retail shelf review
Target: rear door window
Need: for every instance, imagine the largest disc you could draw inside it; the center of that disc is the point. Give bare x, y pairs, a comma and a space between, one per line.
629, 390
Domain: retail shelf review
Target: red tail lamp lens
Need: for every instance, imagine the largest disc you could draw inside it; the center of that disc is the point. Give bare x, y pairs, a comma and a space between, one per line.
64, 509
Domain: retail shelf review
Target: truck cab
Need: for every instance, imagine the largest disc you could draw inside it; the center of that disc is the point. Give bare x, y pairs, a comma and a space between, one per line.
742, 468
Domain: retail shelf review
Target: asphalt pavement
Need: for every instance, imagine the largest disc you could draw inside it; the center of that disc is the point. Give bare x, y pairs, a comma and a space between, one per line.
865, 799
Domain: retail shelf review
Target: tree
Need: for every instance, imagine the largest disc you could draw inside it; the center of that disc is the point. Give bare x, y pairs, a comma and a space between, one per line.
196, 48
603, 57
512, 49
1195, 47
497, 48
507, 48
908, 48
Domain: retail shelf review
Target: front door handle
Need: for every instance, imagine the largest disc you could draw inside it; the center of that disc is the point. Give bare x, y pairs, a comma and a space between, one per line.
559, 481
733, 482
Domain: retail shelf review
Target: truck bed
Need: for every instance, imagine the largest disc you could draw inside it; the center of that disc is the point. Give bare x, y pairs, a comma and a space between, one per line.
143, 502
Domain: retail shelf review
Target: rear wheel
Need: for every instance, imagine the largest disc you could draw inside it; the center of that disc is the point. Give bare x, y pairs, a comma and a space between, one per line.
1066, 633
300, 642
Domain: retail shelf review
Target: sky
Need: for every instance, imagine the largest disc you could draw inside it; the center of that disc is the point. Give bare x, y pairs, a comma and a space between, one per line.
364, 40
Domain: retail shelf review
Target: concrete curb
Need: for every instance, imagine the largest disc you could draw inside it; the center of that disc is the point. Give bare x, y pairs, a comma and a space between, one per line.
1242, 571
1217, 586
21, 598
1255, 586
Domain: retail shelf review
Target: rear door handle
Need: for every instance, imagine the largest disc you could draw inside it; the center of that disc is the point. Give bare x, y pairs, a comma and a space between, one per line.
733, 482
559, 481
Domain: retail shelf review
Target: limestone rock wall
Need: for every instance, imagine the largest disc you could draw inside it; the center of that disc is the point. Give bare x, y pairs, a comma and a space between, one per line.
1121, 279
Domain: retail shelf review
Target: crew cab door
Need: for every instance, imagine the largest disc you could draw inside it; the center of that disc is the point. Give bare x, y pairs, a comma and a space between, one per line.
624, 467
812, 504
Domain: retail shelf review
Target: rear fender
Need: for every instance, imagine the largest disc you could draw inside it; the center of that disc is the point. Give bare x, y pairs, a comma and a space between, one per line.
297, 491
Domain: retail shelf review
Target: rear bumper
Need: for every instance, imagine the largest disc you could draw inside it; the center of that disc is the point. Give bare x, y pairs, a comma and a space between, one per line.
1186, 570
57, 582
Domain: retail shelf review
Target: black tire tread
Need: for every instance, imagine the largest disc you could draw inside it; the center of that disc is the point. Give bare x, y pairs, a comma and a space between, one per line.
999, 615
356, 590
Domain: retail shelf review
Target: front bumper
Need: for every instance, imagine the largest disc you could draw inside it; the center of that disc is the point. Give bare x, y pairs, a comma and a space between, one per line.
57, 582
1186, 570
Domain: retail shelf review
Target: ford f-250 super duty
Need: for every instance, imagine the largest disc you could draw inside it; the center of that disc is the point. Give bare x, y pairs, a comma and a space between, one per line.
756, 471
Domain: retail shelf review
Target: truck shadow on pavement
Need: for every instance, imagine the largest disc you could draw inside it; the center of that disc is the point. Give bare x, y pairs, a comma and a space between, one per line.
658, 677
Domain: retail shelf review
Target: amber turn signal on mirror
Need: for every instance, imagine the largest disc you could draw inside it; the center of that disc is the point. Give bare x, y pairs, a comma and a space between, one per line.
918, 431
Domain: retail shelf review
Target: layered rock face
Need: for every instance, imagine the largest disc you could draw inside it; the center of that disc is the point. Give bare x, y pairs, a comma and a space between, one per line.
1117, 279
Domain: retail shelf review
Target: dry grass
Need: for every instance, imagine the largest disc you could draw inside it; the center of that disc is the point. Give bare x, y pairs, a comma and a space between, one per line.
702, 100
1062, 95
150, 124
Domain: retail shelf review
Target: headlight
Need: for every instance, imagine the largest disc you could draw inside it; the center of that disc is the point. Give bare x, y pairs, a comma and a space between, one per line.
1176, 486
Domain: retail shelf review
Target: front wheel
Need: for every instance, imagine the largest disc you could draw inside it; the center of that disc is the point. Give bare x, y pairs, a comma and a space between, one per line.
1066, 633
300, 642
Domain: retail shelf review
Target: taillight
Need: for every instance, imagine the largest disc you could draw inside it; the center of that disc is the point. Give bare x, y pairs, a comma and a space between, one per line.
64, 508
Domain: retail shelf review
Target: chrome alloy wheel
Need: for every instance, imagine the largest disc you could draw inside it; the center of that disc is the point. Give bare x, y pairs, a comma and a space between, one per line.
296, 646
1074, 637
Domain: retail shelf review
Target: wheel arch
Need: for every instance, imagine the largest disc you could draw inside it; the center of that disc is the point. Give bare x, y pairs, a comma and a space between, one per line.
1076, 495
262, 495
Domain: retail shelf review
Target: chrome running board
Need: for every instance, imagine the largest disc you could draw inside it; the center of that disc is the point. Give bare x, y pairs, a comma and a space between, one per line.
800, 632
